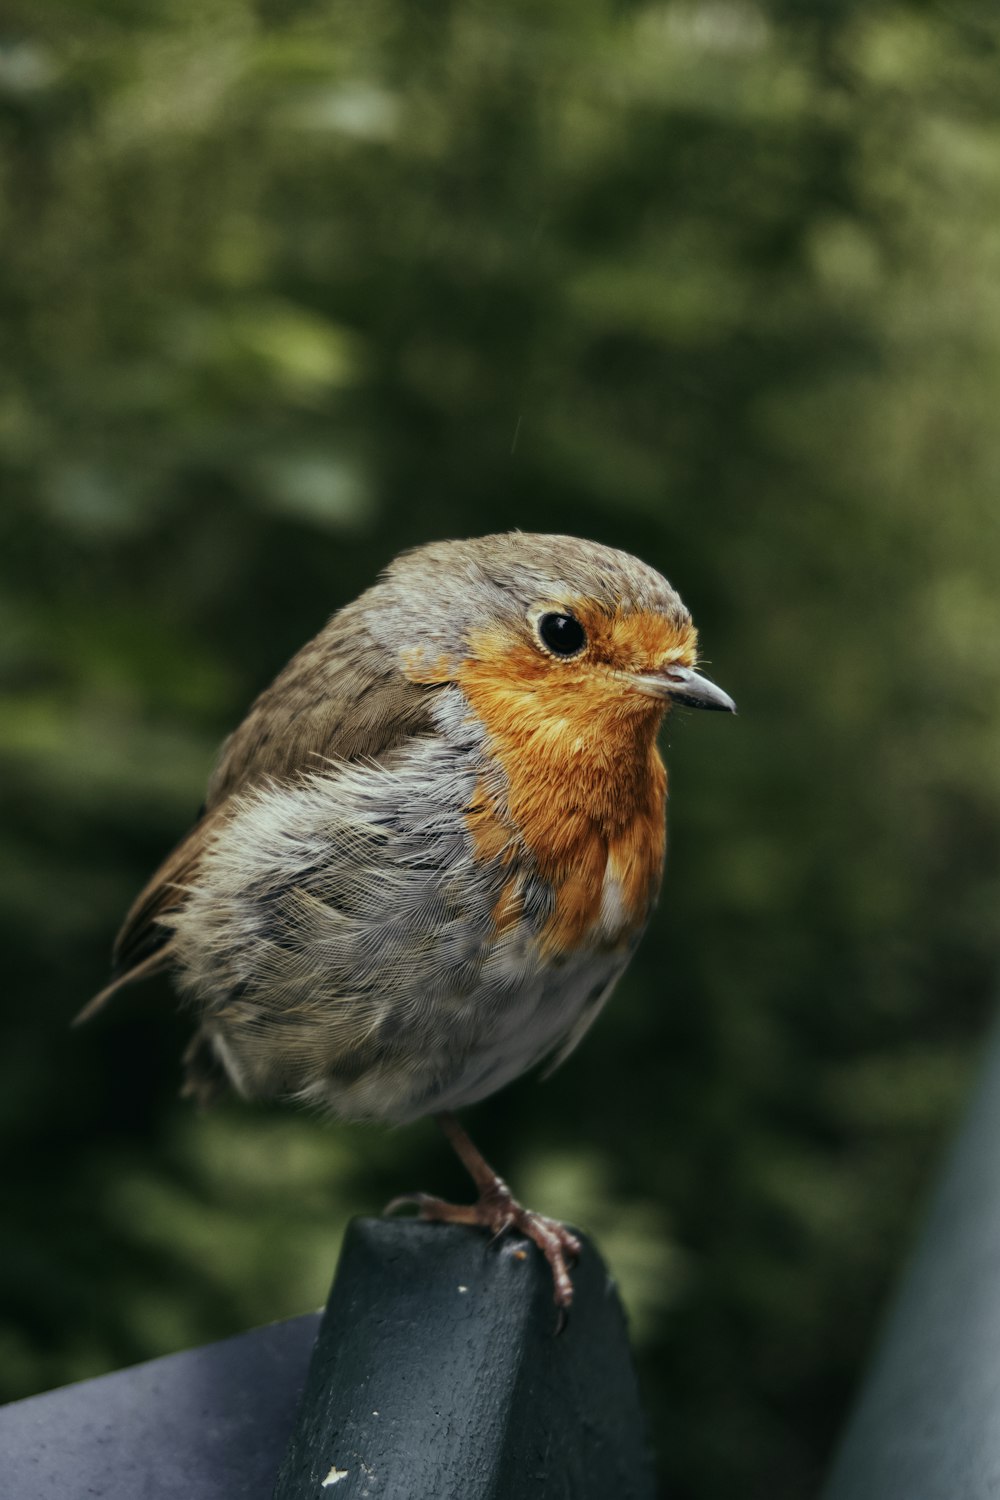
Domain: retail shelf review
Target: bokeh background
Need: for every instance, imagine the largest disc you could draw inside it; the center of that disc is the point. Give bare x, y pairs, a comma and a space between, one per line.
288, 285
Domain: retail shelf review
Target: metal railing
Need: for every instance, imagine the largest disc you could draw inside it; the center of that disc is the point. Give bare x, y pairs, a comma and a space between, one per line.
435, 1373
927, 1423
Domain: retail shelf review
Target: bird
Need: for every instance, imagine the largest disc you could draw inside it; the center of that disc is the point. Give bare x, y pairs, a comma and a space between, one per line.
429, 851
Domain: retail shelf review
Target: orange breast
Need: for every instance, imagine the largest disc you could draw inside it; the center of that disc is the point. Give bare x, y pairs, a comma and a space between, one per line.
586, 790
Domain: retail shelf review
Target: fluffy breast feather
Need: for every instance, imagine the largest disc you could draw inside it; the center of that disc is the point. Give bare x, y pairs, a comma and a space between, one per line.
343, 943
382, 938
582, 783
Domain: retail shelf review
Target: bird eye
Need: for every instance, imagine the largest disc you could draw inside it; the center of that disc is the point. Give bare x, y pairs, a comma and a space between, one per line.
561, 634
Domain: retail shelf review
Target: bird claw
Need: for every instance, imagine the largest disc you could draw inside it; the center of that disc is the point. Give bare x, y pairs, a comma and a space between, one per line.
499, 1211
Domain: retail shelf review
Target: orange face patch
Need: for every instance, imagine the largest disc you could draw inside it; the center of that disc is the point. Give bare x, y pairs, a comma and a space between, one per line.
586, 786
639, 641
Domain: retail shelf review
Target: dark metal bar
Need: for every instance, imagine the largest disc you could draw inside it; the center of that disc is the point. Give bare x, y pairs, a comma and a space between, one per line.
438, 1375
927, 1424
208, 1424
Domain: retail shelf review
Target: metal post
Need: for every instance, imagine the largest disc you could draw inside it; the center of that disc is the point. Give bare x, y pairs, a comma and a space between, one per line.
438, 1374
927, 1424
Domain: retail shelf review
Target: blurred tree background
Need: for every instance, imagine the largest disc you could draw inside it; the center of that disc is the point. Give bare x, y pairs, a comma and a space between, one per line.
290, 284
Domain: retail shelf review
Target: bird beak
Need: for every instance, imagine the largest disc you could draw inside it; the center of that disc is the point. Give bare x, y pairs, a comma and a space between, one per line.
683, 685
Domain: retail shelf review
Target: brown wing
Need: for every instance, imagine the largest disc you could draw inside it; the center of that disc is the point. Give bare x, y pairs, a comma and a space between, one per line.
337, 699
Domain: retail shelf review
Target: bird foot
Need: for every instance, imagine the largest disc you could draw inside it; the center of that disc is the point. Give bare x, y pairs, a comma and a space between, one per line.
499, 1211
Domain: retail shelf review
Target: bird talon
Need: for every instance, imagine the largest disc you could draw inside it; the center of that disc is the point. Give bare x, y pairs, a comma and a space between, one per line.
499, 1212
402, 1200
499, 1230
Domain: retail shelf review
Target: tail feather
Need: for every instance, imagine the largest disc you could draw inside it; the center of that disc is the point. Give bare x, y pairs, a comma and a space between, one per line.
153, 963
144, 946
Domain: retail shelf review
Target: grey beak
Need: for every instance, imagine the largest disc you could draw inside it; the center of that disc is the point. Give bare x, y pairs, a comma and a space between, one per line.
682, 685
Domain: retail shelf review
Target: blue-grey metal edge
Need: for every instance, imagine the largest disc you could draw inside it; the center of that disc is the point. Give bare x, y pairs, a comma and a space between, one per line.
927, 1423
435, 1373
204, 1424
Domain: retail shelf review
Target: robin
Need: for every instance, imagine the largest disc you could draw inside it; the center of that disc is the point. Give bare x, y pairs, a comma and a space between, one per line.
428, 852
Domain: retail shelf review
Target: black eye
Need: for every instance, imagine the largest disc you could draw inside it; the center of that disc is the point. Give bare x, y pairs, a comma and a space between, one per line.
561, 634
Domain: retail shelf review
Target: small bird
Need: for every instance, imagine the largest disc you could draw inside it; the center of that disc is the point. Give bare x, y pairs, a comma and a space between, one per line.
430, 849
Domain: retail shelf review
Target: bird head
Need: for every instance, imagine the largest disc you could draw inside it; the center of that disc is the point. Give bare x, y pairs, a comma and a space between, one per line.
583, 632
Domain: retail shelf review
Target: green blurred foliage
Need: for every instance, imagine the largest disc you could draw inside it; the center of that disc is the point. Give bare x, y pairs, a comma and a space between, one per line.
289, 285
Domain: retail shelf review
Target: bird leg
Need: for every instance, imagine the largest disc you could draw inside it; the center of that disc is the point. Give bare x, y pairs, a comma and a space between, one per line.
498, 1211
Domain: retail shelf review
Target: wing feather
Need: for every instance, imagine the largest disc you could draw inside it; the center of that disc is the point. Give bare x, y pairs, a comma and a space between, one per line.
337, 699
